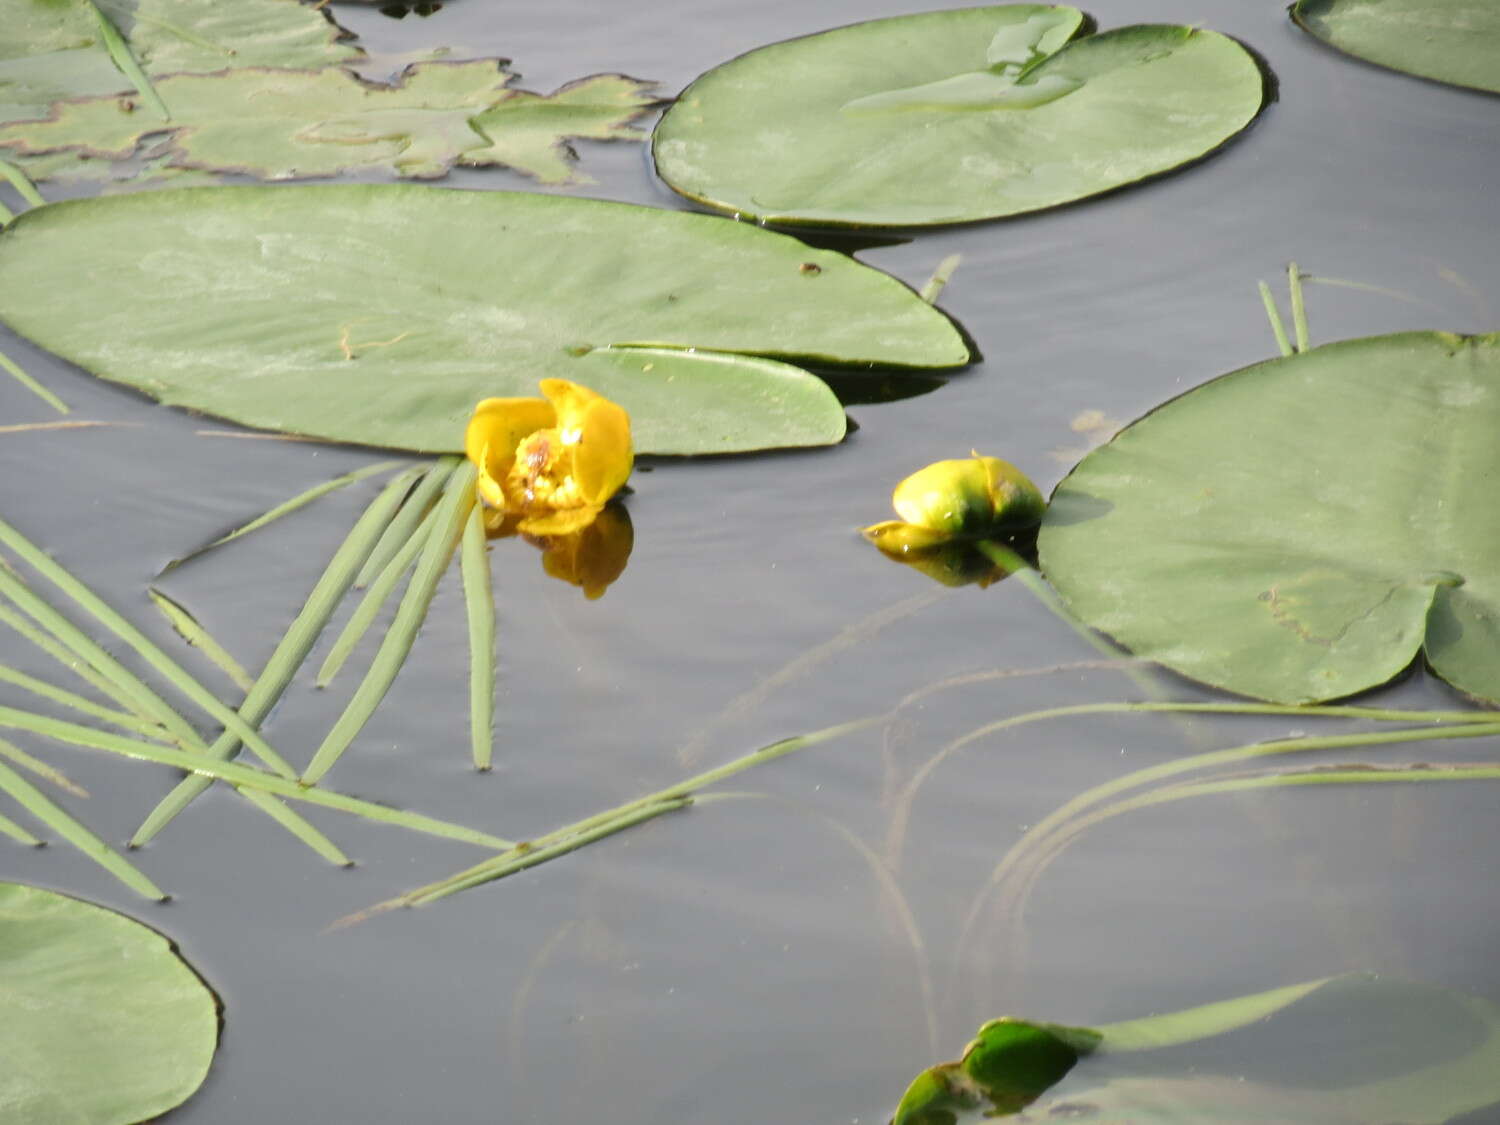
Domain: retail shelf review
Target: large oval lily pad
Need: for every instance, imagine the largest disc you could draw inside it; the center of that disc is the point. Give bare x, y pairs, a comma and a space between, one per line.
104, 1024
1453, 41
380, 314
1299, 530
952, 116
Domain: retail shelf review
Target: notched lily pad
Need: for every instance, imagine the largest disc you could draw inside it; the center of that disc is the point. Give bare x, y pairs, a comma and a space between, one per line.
952, 116
1452, 41
283, 124
104, 1023
380, 314
1300, 530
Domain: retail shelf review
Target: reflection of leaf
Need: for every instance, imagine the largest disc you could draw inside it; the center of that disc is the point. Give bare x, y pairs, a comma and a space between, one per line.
1357, 1049
1348, 1050
103, 1022
1300, 552
279, 124
381, 314
1454, 41
952, 116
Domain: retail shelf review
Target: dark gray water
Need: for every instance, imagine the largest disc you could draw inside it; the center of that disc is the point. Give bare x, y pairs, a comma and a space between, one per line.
741, 962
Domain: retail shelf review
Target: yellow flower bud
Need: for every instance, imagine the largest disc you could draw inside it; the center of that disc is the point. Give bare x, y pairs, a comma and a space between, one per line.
970, 498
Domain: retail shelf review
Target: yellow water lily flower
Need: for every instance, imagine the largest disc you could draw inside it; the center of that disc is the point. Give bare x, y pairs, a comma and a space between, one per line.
551, 463
975, 498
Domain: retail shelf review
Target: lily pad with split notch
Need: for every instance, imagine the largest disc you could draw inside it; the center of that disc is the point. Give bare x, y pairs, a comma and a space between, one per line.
380, 314
1302, 529
952, 116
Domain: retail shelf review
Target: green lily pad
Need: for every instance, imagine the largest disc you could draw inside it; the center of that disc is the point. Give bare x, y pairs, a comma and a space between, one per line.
952, 116
1301, 529
52, 50
283, 124
104, 1023
1452, 41
380, 314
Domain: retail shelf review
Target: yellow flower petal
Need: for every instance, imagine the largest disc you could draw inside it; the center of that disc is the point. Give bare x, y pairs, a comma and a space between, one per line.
897, 538
564, 521
497, 428
603, 458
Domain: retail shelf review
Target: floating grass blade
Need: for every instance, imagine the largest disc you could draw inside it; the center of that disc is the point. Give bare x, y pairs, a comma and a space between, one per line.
452, 512
71, 661
411, 514
119, 52
302, 499
55, 817
1299, 310
50, 569
6, 215
85, 647
191, 630
22, 183
573, 836
236, 774
1278, 327
14, 369
276, 809
10, 828
374, 600
293, 647
479, 599
41, 769
940, 278
78, 703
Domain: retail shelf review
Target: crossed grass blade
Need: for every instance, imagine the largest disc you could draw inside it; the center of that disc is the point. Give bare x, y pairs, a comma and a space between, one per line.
75, 702
374, 600
411, 514
168, 668
74, 663
236, 774
447, 527
292, 650
55, 817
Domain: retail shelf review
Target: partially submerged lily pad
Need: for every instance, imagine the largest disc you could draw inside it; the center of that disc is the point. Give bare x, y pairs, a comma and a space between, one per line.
380, 314
1452, 41
283, 124
104, 1023
1345, 1050
952, 116
1301, 529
